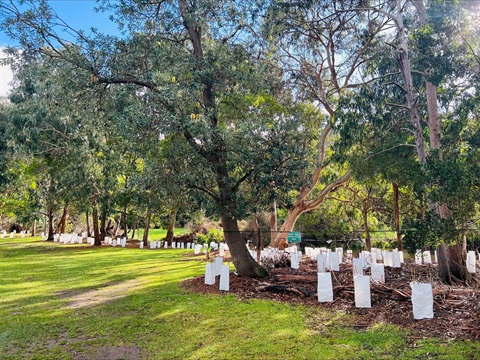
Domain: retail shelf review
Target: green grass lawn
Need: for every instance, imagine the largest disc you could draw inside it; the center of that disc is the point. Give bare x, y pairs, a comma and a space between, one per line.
157, 234
77, 302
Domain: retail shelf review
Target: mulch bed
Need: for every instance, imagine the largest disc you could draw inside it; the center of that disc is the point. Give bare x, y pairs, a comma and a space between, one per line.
456, 308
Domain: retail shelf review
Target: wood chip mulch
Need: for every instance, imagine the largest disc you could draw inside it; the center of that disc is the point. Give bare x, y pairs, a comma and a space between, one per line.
456, 308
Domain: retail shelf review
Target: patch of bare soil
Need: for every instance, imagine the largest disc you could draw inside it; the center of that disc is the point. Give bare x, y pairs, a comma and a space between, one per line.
456, 308
108, 293
109, 353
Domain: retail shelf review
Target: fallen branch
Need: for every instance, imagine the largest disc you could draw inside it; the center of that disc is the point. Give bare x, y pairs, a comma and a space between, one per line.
284, 289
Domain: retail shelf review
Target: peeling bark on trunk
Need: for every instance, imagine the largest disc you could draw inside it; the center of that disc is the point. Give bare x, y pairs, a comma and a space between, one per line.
404, 64
396, 216
451, 263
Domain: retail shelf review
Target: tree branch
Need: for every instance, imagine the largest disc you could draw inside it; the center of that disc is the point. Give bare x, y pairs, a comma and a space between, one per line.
313, 204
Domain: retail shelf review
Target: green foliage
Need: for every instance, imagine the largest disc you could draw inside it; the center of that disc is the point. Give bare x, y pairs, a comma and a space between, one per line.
330, 222
223, 121
428, 232
213, 235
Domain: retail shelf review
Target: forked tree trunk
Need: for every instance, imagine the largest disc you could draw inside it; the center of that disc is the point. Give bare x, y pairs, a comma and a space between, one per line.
117, 226
303, 205
287, 226
396, 216
147, 227
172, 218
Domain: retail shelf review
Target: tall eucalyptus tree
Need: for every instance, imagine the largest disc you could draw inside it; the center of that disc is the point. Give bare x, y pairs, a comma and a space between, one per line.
323, 46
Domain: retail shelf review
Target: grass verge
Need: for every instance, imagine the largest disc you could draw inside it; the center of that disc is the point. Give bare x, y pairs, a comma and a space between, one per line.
78, 302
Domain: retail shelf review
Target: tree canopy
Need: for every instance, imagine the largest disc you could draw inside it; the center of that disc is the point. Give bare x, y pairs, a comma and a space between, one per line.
244, 105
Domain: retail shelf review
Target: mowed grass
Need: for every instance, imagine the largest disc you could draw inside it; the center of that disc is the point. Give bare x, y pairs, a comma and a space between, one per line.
77, 302
158, 234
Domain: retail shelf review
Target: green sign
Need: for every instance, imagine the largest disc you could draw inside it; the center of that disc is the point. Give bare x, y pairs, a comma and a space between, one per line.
294, 237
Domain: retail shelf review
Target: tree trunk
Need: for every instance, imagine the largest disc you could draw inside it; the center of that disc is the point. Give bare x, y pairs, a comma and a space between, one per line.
117, 226
404, 64
464, 239
45, 225
451, 264
396, 216
96, 231
287, 226
125, 225
171, 226
273, 222
103, 224
243, 261
88, 223
34, 227
62, 224
216, 155
302, 203
256, 231
50, 225
147, 226
450, 261
135, 225
368, 241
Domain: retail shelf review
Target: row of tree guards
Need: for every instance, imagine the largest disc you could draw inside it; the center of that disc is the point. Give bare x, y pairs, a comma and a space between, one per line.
355, 241
328, 261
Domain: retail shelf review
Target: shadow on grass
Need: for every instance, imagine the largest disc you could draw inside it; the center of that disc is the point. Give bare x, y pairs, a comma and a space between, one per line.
131, 299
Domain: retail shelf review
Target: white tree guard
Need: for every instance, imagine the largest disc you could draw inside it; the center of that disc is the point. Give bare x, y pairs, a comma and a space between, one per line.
362, 291
324, 287
422, 300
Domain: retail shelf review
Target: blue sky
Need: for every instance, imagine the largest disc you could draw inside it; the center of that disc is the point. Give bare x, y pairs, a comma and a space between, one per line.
79, 14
